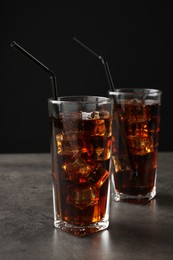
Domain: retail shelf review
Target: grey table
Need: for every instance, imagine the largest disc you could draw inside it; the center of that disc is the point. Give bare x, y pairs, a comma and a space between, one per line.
26, 217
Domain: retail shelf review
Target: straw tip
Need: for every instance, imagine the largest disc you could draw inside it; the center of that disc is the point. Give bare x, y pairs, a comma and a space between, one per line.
13, 43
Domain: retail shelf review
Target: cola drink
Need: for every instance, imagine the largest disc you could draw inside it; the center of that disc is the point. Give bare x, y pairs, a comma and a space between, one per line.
81, 168
136, 130
81, 151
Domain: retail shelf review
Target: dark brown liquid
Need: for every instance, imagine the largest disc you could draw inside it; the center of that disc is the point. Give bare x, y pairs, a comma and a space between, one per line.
135, 156
81, 154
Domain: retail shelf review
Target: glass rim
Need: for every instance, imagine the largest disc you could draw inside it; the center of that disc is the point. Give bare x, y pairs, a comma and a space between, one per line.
78, 99
137, 91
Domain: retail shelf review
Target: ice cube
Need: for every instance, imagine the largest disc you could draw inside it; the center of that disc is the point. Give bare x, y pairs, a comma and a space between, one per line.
136, 111
141, 146
67, 144
77, 169
86, 146
121, 163
100, 128
86, 115
72, 143
137, 129
102, 148
95, 115
83, 197
59, 140
98, 176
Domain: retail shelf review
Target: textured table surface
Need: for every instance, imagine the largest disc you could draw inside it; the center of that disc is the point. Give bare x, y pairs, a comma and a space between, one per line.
26, 217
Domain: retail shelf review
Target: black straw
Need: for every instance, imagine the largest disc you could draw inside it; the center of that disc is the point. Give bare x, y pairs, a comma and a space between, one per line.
112, 88
104, 62
41, 65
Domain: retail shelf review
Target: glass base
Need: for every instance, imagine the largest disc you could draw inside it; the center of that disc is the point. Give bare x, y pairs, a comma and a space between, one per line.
139, 199
81, 231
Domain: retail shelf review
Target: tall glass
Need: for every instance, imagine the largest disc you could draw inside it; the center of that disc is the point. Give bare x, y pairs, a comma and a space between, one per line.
81, 150
135, 143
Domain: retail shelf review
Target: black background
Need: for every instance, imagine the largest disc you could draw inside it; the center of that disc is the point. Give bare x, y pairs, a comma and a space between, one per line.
134, 36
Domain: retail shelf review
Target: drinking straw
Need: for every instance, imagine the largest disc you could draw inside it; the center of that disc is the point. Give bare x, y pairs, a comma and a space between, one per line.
104, 62
41, 65
119, 125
